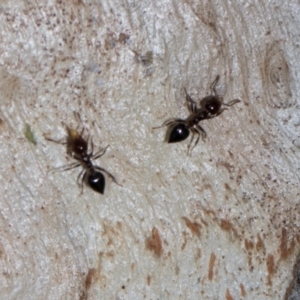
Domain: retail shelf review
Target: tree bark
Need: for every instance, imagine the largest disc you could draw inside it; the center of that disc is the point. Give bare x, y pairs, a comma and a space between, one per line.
222, 223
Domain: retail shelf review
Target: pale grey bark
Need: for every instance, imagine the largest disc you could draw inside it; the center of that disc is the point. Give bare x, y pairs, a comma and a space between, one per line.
221, 224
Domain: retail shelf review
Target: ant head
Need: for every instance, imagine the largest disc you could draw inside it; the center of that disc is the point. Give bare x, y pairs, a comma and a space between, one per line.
76, 143
79, 145
214, 104
178, 133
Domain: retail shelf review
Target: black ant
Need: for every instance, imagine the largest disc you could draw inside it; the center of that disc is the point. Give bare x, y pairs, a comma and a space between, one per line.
77, 147
210, 107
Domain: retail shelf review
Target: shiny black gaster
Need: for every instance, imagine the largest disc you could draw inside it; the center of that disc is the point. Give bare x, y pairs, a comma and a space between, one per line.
96, 181
178, 133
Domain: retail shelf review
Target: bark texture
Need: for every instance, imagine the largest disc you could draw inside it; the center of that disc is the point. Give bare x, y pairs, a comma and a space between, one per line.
221, 224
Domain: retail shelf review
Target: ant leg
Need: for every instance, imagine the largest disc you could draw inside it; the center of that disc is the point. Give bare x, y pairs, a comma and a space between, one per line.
201, 131
92, 146
191, 104
78, 177
112, 177
61, 142
189, 146
197, 140
81, 133
82, 181
67, 167
232, 102
194, 131
79, 121
78, 118
169, 122
213, 86
100, 153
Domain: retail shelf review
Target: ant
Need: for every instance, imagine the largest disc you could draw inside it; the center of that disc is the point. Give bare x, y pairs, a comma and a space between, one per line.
77, 147
210, 107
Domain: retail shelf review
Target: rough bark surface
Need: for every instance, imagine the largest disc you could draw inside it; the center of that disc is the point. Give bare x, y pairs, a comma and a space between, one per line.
220, 224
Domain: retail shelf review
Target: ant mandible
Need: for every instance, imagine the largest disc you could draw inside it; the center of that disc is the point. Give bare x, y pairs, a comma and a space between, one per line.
77, 147
210, 107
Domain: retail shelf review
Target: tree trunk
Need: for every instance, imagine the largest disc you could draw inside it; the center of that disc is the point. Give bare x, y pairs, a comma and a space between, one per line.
221, 223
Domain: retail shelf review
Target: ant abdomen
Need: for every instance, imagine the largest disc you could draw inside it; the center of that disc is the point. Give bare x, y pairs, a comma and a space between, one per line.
178, 133
96, 181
